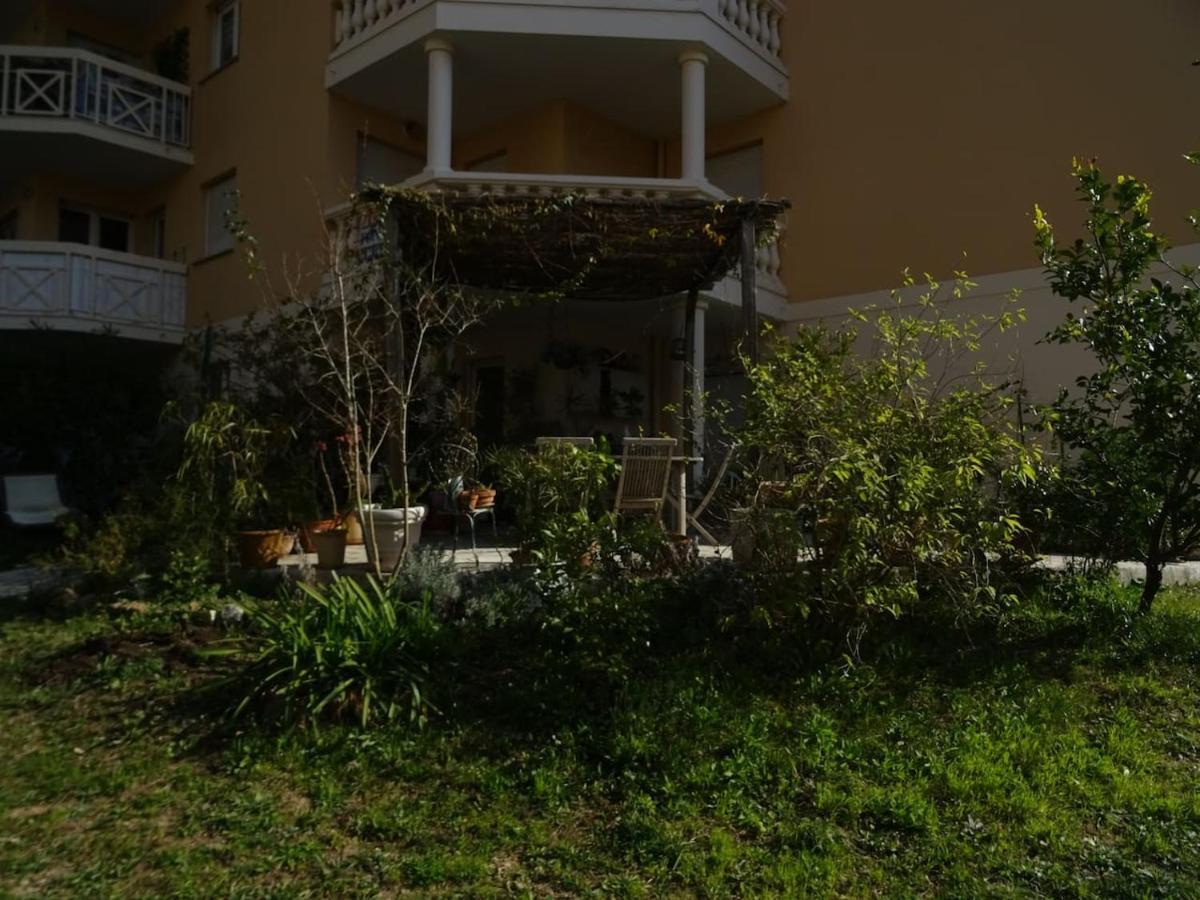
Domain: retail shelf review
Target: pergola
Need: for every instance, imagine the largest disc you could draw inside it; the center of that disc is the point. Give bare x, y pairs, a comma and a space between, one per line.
572, 246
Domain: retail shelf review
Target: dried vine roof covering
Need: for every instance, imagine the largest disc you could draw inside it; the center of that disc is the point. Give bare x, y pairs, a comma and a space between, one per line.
603, 248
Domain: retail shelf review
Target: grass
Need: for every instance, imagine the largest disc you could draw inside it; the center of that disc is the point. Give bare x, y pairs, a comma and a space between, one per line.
1064, 761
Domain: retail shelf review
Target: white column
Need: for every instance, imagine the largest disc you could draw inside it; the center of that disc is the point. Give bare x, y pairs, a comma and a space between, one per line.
439, 132
691, 66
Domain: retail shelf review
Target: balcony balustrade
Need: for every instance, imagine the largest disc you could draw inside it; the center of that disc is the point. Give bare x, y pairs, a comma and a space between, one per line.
80, 288
44, 87
755, 22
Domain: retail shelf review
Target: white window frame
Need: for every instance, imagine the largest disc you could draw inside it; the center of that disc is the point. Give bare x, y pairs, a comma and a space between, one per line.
227, 241
94, 217
220, 10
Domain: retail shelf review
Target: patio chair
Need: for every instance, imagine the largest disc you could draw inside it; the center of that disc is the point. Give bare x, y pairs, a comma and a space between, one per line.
585, 443
33, 500
645, 473
453, 489
715, 485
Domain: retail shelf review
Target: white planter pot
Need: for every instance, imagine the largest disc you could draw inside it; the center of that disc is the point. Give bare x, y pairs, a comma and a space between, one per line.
383, 530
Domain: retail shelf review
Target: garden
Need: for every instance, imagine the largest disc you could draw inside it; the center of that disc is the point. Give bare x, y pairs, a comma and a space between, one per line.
878, 689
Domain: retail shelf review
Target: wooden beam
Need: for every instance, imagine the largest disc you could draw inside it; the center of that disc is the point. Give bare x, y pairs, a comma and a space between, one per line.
749, 291
687, 400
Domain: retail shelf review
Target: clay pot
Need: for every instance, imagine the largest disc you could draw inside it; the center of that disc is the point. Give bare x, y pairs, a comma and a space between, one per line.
309, 529
330, 548
262, 549
484, 498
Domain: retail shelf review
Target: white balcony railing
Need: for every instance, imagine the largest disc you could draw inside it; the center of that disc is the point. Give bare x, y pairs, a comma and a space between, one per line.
756, 22
45, 283
47, 83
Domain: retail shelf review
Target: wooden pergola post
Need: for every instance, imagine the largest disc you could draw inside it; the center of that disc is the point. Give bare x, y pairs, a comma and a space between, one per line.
749, 271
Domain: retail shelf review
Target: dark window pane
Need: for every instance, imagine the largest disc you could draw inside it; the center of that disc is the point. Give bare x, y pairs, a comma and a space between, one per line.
228, 36
114, 235
74, 226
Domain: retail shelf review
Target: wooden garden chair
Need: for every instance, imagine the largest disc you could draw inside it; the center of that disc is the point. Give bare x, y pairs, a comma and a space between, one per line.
645, 474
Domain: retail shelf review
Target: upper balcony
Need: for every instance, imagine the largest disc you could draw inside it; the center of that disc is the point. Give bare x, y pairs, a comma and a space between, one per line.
615, 57
52, 285
76, 112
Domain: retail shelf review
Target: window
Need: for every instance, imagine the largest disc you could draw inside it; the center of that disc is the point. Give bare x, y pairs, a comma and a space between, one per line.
220, 200
77, 225
8, 226
738, 173
380, 163
225, 33
159, 220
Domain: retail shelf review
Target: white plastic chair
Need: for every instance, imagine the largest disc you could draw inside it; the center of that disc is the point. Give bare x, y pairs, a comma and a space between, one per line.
33, 500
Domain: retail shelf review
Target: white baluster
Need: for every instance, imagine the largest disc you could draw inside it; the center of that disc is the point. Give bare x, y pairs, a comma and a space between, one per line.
723, 7
369, 12
752, 24
775, 41
773, 260
743, 14
764, 24
339, 25
356, 17
761, 258
382, 9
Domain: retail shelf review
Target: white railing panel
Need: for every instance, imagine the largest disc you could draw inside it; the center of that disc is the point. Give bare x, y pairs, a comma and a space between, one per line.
758, 22
64, 83
42, 279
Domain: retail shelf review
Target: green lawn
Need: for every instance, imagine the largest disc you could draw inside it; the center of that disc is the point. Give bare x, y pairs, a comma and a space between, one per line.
1062, 762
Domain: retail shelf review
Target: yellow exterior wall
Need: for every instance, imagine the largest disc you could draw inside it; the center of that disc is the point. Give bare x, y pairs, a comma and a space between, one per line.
913, 134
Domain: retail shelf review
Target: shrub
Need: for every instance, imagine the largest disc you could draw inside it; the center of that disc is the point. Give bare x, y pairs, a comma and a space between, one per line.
343, 651
558, 492
1132, 485
894, 478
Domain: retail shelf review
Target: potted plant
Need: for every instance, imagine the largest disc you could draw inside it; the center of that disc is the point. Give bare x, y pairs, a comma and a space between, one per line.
386, 531
327, 537
226, 453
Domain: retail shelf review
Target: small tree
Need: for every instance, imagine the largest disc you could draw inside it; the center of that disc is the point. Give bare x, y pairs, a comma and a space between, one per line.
1132, 429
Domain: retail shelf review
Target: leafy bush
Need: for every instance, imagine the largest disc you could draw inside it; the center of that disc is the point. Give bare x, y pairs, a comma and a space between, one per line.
558, 492
344, 651
893, 478
1132, 476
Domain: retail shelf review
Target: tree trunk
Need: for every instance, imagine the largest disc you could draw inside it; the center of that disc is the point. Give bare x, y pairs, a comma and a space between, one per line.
1154, 579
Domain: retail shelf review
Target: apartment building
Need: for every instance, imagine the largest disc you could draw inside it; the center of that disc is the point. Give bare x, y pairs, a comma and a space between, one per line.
904, 135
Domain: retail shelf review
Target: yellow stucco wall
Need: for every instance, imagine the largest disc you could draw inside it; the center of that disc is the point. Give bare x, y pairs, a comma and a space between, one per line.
913, 134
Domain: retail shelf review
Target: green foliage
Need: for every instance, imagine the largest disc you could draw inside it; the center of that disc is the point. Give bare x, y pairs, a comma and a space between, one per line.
894, 468
558, 492
1058, 764
1132, 479
188, 578
346, 651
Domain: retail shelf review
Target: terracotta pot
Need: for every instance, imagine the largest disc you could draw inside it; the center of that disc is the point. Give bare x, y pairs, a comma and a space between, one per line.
466, 500
330, 548
354, 529
484, 498
309, 529
262, 549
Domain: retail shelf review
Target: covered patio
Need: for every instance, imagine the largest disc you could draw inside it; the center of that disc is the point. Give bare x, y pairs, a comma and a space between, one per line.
608, 337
